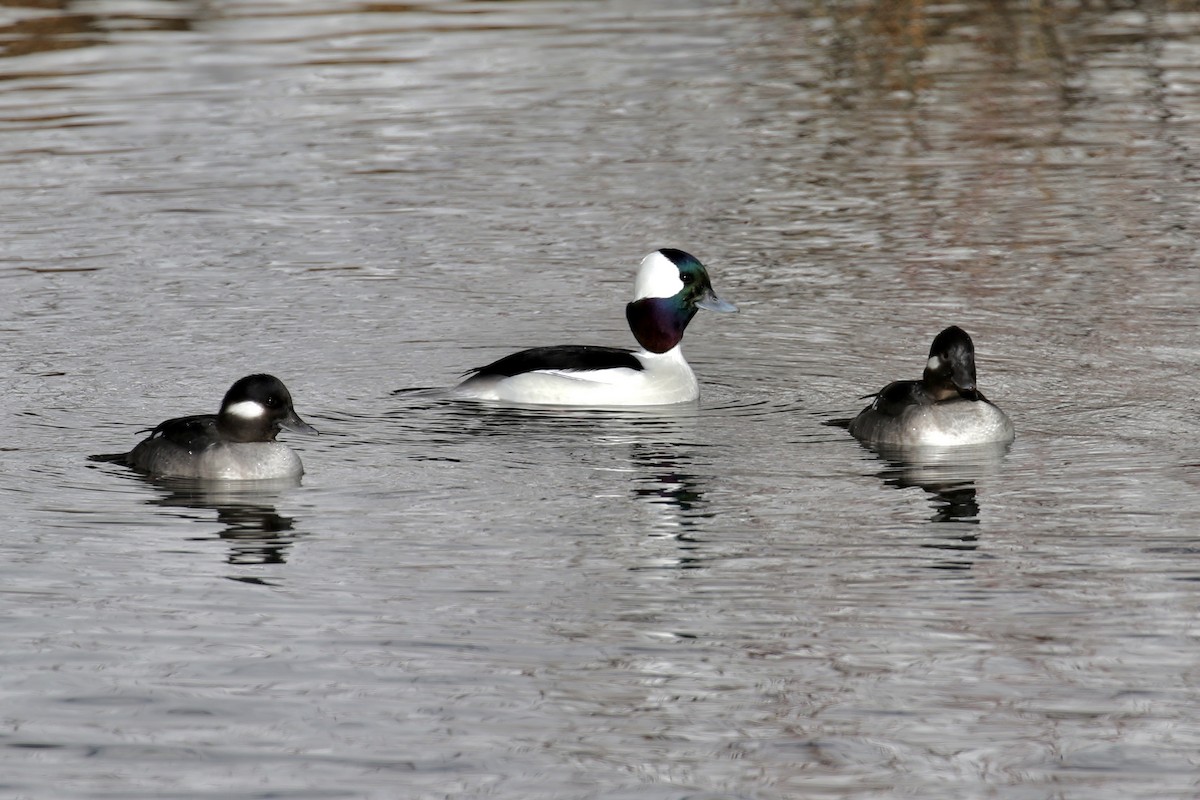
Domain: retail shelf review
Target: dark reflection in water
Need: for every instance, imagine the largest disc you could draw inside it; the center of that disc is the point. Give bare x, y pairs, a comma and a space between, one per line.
432, 398
660, 445
667, 484
61, 25
438, 420
950, 476
328, 187
254, 531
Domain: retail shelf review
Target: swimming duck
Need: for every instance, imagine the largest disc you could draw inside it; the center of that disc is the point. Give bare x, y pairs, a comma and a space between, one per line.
237, 443
670, 287
944, 408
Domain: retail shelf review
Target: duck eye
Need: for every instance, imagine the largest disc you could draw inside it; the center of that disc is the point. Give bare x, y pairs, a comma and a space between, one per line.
687, 277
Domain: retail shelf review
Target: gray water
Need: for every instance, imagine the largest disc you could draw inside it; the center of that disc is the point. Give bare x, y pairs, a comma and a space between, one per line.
727, 600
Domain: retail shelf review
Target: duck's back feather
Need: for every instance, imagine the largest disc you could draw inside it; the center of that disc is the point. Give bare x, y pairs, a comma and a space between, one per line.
903, 414
561, 358
191, 433
894, 398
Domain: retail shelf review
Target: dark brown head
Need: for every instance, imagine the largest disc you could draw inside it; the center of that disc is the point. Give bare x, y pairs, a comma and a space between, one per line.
255, 408
950, 371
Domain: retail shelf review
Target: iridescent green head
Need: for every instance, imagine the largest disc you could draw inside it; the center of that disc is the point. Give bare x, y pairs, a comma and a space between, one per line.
671, 286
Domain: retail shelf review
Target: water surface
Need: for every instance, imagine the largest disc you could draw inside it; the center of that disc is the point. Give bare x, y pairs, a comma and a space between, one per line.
727, 600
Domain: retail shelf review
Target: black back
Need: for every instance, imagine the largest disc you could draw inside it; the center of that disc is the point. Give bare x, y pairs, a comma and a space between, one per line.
567, 358
191, 433
897, 396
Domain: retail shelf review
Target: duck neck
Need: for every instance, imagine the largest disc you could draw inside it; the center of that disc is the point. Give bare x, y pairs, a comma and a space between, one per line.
658, 323
238, 430
942, 387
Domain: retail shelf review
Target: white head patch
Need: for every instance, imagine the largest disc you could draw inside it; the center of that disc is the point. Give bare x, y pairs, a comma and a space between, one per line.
247, 409
934, 363
657, 277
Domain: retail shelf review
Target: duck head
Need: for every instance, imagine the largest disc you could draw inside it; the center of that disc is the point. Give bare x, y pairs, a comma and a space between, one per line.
950, 370
671, 286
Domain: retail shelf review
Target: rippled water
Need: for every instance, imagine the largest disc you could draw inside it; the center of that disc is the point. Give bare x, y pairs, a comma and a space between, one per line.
733, 600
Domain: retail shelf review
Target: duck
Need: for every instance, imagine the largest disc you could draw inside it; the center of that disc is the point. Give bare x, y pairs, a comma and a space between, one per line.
670, 287
235, 444
944, 408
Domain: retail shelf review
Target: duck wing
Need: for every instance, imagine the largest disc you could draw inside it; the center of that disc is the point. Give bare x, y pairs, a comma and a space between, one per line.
191, 433
899, 395
561, 358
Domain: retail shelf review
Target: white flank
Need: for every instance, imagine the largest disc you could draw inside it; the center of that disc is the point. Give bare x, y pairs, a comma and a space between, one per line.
666, 379
247, 409
657, 277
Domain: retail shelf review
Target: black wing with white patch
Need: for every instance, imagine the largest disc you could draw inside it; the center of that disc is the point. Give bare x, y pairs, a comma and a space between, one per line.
894, 398
566, 358
191, 433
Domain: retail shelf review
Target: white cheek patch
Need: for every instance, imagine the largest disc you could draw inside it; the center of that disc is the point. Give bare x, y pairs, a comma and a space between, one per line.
657, 277
934, 363
247, 409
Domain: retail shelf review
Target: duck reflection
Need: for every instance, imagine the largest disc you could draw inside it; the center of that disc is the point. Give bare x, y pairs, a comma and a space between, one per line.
69, 24
675, 496
659, 461
455, 420
950, 475
667, 483
254, 531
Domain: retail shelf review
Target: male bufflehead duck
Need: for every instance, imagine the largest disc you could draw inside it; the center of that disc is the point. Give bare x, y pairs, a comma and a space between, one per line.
670, 287
943, 408
238, 443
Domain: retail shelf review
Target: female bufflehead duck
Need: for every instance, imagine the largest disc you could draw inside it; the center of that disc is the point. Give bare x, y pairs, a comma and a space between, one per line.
670, 287
943, 408
238, 443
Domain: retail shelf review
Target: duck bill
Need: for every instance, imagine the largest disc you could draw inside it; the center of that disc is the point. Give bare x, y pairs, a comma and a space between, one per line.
292, 422
711, 302
964, 382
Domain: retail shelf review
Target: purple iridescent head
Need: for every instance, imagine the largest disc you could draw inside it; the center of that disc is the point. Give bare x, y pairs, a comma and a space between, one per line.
671, 286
